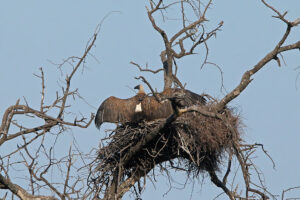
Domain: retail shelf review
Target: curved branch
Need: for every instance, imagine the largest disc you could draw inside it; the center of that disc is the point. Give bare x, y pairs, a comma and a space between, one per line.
158, 29
23, 109
148, 84
20, 192
146, 70
69, 77
246, 78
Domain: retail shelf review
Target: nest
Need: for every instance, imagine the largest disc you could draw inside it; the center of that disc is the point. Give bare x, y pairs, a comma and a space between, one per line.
198, 140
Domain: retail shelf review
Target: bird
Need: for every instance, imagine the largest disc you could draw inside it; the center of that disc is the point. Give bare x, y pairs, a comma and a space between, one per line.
180, 99
170, 100
146, 107
152, 109
116, 110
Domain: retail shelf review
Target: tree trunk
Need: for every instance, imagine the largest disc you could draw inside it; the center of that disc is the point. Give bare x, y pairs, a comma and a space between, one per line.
168, 73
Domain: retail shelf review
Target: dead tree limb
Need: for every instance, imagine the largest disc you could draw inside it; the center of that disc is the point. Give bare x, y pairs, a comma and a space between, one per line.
50, 118
188, 31
20, 192
247, 77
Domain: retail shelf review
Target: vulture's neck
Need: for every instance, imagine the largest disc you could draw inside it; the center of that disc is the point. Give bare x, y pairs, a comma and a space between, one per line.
141, 90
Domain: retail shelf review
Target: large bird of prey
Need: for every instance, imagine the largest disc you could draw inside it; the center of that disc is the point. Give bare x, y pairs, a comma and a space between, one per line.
116, 110
143, 107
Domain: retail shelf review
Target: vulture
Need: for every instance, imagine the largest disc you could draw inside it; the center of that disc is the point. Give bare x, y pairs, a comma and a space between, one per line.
183, 98
116, 110
143, 107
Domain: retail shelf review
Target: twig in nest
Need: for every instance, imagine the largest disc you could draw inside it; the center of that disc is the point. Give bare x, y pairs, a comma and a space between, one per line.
148, 84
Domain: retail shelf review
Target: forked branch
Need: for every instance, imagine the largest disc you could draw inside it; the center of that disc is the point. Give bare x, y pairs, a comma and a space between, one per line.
247, 76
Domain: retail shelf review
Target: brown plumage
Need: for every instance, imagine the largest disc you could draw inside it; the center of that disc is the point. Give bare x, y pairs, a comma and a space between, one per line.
152, 109
143, 107
115, 110
183, 98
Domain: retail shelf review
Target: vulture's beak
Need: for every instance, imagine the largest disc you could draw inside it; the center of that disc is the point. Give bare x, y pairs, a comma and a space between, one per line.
137, 87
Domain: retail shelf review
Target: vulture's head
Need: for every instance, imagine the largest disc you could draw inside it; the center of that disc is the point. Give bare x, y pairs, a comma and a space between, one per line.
140, 88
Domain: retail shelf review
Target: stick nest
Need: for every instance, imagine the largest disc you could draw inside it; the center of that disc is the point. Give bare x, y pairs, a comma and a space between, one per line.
198, 140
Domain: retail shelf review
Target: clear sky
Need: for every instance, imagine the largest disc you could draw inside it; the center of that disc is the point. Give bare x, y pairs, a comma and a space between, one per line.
33, 33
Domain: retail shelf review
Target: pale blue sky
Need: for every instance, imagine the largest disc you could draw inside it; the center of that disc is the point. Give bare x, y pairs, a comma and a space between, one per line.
34, 32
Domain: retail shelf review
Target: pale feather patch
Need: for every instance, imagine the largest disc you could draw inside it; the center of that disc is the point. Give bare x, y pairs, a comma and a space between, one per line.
138, 107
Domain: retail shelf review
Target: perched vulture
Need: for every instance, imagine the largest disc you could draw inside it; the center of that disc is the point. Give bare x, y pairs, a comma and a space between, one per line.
115, 110
152, 109
143, 107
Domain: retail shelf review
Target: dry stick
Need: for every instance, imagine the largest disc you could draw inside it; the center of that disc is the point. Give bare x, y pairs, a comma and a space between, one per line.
246, 174
68, 172
169, 52
214, 178
192, 25
30, 166
158, 29
20, 192
228, 169
27, 131
43, 90
6, 120
43, 179
145, 70
177, 81
42, 77
169, 78
272, 55
51, 121
250, 146
280, 16
148, 84
168, 47
127, 184
246, 78
287, 190
68, 78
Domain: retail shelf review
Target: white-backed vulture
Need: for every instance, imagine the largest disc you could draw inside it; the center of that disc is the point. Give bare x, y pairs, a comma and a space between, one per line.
116, 110
143, 107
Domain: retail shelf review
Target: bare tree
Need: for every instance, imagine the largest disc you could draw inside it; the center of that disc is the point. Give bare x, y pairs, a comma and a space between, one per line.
183, 43
53, 120
132, 151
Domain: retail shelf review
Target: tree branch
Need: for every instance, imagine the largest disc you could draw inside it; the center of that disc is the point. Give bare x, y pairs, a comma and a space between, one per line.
246, 78
20, 192
146, 70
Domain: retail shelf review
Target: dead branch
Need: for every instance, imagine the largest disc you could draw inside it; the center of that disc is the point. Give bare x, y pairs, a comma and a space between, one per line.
214, 178
288, 190
38, 180
247, 77
23, 110
145, 69
150, 87
188, 31
69, 77
224, 181
20, 192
